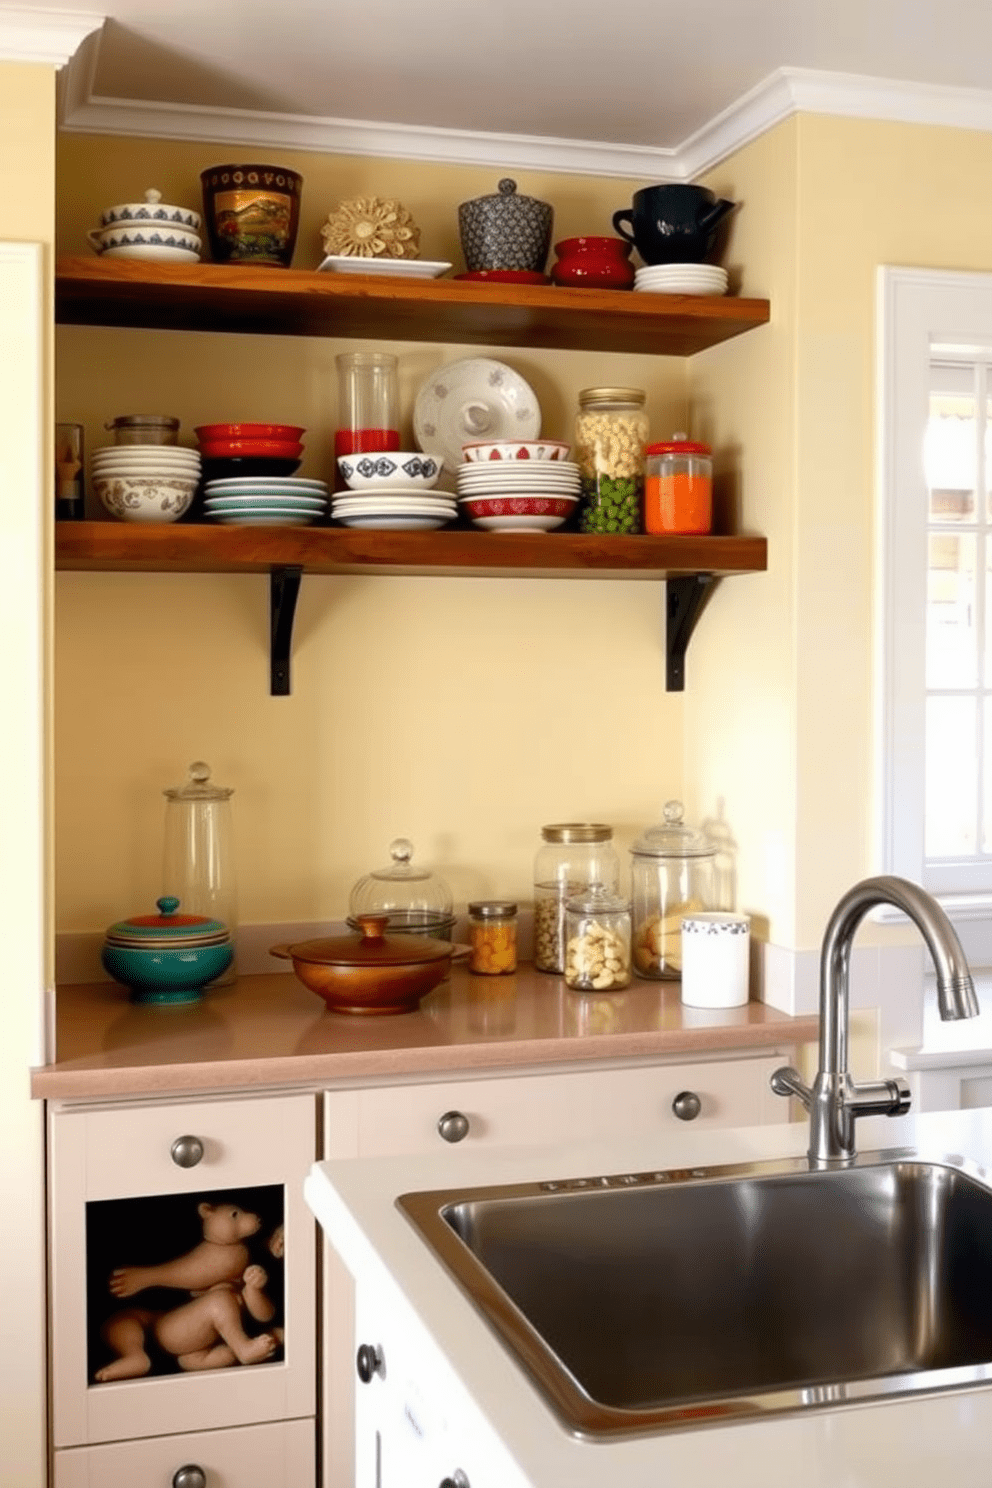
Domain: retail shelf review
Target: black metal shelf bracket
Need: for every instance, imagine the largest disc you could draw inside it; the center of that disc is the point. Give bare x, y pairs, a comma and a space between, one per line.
685, 599
284, 589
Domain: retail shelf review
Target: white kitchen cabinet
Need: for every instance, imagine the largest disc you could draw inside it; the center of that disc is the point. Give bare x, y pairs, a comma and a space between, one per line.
511, 1111
279, 1454
133, 1187
415, 1425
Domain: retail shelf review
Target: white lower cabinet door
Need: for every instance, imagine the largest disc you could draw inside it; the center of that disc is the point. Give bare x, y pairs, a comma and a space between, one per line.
183, 1262
278, 1455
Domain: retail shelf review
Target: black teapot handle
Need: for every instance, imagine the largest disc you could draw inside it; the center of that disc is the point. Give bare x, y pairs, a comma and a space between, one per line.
618, 219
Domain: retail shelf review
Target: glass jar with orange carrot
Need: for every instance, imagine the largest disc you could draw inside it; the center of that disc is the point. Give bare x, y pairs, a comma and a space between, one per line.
678, 486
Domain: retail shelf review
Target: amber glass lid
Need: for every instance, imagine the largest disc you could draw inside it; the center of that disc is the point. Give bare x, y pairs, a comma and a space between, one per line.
371, 947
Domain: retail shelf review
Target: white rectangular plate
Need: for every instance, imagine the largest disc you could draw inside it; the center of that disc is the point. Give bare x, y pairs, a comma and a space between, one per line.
403, 268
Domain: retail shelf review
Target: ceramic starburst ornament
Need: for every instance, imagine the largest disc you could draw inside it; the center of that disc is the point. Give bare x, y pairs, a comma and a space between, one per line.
371, 228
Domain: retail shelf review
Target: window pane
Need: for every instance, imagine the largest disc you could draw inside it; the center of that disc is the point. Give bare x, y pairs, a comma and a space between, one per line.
949, 458
952, 653
951, 777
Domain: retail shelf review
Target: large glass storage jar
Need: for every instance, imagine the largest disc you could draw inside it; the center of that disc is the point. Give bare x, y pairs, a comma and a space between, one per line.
198, 852
414, 900
597, 941
611, 430
672, 875
572, 856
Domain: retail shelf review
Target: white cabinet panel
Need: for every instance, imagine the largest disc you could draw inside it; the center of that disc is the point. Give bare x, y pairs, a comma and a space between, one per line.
118, 1167
279, 1455
571, 1106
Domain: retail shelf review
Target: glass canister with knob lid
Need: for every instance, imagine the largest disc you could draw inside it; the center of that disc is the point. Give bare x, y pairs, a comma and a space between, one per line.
572, 856
198, 859
672, 875
414, 900
597, 940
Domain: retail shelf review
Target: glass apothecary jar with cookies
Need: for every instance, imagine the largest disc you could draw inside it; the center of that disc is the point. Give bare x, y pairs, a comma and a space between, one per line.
611, 430
672, 876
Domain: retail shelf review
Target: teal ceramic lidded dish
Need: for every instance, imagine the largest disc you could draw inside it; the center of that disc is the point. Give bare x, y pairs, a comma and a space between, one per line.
167, 957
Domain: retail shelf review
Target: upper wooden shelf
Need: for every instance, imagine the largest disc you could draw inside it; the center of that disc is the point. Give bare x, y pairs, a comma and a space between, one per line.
203, 548
301, 302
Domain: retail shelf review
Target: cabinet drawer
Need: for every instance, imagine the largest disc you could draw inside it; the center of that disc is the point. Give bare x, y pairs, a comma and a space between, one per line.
124, 1197
281, 1455
548, 1108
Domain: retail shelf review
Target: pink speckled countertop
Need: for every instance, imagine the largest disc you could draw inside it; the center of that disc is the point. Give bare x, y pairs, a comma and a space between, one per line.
268, 1031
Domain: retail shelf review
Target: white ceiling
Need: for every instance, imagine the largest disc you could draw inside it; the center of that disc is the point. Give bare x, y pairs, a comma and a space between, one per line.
640, 77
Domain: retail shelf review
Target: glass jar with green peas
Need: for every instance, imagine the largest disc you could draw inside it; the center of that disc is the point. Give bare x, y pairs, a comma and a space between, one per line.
611, 430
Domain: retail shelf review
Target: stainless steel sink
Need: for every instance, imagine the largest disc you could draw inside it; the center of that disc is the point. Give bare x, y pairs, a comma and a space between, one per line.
650, 1301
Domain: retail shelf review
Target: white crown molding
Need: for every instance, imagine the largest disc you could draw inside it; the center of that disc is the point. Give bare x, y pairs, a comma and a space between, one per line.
784, 93
47, 36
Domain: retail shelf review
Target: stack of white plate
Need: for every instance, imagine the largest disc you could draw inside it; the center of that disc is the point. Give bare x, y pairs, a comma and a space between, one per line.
518, 495
395, 508
265, 501
146, 482
689, 279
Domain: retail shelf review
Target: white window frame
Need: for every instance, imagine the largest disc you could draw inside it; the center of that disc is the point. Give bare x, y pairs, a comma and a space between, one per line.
918, 311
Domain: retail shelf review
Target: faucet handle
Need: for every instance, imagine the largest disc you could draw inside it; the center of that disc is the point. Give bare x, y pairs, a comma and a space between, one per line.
788, 1081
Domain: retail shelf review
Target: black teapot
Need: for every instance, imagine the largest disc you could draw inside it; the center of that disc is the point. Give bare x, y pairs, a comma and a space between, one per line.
672, 224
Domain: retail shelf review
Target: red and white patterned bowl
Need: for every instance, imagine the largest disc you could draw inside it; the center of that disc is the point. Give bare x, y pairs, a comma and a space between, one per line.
512, 449
518, 506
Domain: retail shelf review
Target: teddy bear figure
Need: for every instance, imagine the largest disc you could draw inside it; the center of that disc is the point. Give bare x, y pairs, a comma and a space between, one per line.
207, 1331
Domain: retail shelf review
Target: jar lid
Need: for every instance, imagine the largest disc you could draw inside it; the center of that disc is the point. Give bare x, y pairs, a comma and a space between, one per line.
577, 832
493, 909
679, 444
611, 395
505, 197
168, 928
198, 786
597, 899
371, 947
673, 839
401, 886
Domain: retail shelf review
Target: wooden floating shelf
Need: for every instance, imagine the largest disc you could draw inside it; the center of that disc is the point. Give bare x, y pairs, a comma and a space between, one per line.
301, 302
204, 548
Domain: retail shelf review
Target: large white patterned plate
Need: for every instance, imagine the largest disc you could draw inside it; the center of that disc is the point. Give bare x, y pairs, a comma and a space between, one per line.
475, 399
397, 268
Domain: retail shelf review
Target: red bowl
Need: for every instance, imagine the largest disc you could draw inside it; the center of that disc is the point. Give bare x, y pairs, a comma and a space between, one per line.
259, 449
285, 432
518, 506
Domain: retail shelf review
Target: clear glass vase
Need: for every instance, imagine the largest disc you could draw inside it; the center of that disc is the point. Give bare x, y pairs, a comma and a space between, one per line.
198, 859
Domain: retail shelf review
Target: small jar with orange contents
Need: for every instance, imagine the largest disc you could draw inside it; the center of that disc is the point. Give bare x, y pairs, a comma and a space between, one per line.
678, 486
492, 936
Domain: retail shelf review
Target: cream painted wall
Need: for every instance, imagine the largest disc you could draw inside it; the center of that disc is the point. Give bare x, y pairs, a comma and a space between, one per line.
740, 759
460, 713
27, 169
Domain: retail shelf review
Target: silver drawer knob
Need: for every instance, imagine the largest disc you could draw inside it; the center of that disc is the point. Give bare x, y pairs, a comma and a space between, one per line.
453, 1126
457, 1480
687, 1105
186, 1153
189, 1476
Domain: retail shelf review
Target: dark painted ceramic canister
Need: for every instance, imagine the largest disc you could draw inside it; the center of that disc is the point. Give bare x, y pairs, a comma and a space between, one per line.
505, 231
251, 213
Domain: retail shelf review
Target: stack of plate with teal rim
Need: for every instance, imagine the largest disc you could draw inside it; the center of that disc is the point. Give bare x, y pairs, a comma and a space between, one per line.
265, 501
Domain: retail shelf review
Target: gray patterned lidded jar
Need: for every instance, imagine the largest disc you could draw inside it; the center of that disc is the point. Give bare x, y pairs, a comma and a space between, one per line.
506, 231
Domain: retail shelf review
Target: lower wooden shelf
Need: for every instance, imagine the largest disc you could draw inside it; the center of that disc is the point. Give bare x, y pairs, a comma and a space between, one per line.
205, 548
689, 566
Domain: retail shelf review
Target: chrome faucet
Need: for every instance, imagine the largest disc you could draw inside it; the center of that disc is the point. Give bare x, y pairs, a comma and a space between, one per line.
834, 1102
